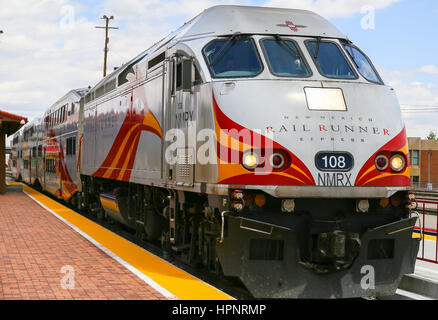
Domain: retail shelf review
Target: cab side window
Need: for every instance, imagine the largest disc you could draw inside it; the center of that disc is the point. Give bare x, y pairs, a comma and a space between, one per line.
178, 76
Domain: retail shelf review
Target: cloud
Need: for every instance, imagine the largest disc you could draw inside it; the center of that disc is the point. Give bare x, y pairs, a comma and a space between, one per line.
430, 69
418, 100
331, 8
41, 58
159, 10
50, 46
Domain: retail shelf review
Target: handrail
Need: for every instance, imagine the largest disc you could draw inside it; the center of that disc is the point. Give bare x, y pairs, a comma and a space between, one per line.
425, 229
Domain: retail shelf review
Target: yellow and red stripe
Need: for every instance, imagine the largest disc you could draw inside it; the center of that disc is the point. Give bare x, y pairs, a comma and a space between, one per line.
120, 160
369, 176
228, 141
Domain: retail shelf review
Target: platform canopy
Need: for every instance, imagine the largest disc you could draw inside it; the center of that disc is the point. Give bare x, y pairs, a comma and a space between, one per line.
10, 123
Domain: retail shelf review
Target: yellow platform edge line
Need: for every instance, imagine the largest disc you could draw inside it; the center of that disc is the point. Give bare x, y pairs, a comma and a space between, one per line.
178, 282
416, 234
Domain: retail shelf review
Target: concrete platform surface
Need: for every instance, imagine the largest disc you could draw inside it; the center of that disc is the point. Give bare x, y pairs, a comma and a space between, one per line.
424, 281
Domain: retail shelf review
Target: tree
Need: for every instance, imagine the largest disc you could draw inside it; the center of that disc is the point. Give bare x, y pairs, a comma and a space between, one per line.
432, 136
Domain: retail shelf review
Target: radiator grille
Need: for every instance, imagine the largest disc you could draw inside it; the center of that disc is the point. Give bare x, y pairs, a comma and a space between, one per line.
185, 166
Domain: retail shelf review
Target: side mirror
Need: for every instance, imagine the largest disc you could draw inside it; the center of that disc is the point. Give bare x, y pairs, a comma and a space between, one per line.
187, 81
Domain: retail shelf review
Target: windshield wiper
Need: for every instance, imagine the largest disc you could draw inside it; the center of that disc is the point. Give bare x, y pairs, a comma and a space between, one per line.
318, 43
226, 47
283, 42
349, 44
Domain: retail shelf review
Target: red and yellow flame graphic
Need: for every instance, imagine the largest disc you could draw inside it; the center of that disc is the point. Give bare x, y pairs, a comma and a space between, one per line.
120, 159
232, 172
68, 187
369, 176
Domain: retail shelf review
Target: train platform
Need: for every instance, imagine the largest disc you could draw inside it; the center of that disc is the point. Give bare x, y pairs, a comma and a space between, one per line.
424, 281
48, 251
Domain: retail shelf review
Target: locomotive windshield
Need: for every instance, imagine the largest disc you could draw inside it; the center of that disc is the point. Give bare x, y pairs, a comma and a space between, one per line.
233, 58
363, 64
330, 60
284, 58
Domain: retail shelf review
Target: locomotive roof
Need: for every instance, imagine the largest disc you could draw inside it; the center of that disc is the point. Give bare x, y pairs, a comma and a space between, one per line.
228, 19
225, 20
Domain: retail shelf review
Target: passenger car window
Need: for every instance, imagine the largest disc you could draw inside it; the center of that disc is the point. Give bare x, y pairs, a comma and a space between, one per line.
363, 64
330, 60
284, 58
236, 57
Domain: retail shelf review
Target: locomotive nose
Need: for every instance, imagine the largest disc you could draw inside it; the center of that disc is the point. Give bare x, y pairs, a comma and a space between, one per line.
331, 114
333, 127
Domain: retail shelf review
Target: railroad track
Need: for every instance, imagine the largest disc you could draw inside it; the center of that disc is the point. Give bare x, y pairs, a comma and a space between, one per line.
426, 195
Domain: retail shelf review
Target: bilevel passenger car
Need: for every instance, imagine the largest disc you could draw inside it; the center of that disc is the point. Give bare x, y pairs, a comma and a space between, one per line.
259, 143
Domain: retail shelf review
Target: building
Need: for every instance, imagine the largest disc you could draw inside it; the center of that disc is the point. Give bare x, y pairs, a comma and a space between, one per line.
423, 157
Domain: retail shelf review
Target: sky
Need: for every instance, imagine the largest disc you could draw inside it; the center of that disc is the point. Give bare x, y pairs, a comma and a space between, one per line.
52, 46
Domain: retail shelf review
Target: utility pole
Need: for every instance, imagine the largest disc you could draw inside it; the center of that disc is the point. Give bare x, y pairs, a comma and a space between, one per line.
106, 40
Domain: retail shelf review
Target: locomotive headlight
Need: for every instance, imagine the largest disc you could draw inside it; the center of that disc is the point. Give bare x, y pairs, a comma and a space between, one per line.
398, 162
362, 206
288, 205
250, 160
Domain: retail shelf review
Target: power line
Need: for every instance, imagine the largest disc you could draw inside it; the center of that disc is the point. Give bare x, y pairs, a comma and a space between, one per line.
419, 105
106, 40
418, 112
419, 109
416, 109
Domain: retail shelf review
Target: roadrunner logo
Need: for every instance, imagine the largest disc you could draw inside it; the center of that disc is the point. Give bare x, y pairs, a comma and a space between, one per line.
291, 25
